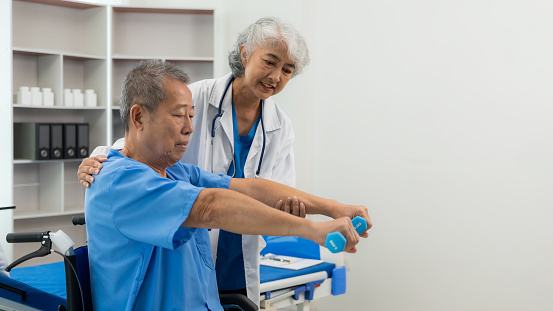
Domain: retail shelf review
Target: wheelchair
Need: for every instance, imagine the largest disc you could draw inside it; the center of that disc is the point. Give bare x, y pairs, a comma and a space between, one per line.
77, 275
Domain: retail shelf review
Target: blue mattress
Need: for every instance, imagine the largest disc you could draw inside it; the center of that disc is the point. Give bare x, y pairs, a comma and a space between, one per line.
28, 295
48, 277
268, 274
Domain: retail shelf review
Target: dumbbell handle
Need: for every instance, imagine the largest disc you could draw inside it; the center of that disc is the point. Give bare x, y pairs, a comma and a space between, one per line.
336, 242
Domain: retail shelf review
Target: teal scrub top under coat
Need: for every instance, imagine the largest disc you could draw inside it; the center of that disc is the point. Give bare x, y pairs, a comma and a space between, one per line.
140, 257
229, 265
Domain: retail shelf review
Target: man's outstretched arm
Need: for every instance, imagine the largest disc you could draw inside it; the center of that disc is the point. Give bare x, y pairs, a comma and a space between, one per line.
270, 192
235, 212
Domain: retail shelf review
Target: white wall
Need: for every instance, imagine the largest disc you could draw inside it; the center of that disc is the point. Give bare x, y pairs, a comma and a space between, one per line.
437, 115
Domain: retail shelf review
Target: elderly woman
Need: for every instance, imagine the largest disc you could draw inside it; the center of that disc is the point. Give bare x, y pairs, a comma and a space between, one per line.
242, 132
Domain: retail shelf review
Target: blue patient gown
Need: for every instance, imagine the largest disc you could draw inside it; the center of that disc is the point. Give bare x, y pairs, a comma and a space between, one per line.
140, 257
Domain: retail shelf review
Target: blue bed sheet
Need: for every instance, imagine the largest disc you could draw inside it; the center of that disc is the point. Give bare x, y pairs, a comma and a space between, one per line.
27, 295
268, 274
48, 277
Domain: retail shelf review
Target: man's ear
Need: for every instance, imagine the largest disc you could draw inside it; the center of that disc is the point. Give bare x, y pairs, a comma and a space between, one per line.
138, 116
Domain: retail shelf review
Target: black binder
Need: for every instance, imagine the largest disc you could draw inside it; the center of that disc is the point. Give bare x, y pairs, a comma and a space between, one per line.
69, 141
82, 140
31, 141
56, 141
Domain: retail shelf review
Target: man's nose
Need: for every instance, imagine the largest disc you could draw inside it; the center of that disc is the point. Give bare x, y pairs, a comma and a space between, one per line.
188, 127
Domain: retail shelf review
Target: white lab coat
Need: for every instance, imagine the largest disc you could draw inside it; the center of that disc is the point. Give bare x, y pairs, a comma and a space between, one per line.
278, 159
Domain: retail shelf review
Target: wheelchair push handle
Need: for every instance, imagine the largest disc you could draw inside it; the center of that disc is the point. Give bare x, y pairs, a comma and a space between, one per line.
336, 242
78, 220
25, 237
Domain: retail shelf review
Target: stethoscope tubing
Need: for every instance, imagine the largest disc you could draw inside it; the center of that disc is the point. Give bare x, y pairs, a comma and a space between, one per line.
219, 115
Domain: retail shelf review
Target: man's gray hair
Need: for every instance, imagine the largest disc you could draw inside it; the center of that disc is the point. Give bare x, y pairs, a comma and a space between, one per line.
144, 86
269, 32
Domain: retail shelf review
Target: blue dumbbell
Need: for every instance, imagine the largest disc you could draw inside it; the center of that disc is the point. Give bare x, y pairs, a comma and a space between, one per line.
336, 242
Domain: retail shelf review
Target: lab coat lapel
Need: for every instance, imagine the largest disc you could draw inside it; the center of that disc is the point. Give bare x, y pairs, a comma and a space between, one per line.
270, 116
226, 121
271, 124
223, 142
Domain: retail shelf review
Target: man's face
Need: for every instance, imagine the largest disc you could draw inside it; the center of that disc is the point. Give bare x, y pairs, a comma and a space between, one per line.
167, 131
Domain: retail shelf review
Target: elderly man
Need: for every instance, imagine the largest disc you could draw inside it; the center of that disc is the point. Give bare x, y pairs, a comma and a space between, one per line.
147, 213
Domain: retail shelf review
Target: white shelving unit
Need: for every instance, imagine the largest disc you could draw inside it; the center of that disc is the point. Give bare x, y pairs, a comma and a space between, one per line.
191, 37
75, 45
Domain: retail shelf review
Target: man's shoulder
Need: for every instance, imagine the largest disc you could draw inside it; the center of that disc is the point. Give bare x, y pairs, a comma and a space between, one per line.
118, 163
115, 161
182, 171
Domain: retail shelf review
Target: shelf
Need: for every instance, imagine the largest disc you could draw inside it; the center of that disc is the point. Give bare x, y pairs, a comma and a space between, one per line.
27, 161
189, 32
74, 44
120, 57
26, 185
74, 210
49, 26
134, 9
63, 3
16, 106
30, 215
40, 52
190, 59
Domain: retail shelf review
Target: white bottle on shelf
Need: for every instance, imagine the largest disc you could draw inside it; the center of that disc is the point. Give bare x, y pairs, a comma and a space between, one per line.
67, 98
90, 98
36, 96
24, 96
78, 100
47, 97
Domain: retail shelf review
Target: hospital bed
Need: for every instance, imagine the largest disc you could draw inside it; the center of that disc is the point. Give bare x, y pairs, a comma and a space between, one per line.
282, 289
323, 275
43, 287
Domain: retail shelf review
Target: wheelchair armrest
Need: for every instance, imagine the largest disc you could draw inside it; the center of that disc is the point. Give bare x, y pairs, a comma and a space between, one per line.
237, 300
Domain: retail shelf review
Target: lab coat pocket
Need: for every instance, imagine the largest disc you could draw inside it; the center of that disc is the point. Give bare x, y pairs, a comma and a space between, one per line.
204, 248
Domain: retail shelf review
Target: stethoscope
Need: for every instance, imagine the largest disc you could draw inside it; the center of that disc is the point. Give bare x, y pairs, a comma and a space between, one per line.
213, 128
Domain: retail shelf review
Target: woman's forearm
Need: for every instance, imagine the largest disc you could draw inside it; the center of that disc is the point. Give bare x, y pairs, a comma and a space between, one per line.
232, 211
270, 192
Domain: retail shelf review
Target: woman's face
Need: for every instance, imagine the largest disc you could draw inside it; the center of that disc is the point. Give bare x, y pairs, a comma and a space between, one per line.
267, 70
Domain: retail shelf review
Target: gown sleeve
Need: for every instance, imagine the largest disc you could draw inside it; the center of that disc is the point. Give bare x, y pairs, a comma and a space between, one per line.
150, 208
